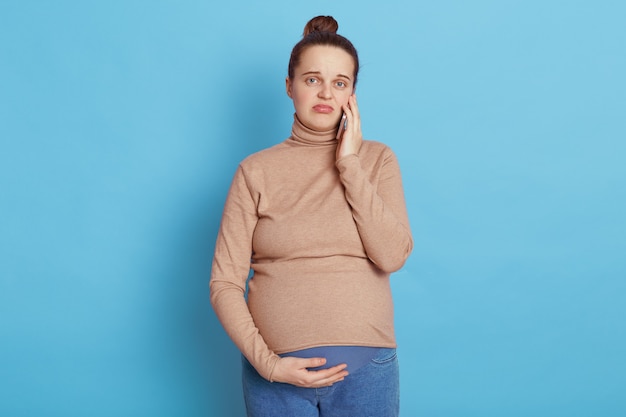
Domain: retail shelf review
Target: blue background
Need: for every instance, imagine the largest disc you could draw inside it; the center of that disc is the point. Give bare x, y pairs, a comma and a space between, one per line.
121, 124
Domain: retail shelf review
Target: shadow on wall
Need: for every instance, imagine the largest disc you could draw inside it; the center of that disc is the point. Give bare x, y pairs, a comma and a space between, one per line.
211, 363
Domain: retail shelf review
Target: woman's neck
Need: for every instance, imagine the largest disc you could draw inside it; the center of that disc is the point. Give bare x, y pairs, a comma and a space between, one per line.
304, 135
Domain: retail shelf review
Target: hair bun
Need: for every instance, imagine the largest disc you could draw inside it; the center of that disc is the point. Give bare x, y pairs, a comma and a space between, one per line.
321, 24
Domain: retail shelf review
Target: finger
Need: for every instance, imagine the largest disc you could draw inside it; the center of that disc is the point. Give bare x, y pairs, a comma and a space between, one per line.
311, 362
328, 375
327, 383
331, 379
355, 111
353, 104
353, 107
315, 379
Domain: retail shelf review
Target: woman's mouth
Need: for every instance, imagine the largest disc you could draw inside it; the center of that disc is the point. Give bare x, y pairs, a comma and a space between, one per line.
323, 108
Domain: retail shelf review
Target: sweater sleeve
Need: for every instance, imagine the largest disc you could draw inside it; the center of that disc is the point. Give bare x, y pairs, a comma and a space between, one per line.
229, 273
379, 211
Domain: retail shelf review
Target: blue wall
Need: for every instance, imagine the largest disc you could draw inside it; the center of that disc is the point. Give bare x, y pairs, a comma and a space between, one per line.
121, 124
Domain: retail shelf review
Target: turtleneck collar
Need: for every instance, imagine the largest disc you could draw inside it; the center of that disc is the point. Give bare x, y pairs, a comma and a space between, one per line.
303, 135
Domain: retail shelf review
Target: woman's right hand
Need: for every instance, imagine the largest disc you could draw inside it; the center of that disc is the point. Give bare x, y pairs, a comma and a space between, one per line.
292, 370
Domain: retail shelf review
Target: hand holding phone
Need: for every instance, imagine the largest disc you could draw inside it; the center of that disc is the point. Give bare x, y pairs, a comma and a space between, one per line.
349, 130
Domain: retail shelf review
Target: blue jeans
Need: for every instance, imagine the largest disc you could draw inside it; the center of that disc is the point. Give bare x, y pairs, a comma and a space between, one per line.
372, 390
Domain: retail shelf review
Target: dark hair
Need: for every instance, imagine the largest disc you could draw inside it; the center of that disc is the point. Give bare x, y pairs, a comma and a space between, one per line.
322, 30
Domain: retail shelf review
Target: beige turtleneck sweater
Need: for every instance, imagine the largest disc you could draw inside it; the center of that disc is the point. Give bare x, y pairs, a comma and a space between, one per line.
322, 237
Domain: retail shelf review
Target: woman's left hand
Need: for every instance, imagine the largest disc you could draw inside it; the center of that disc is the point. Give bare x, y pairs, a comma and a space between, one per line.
351, 138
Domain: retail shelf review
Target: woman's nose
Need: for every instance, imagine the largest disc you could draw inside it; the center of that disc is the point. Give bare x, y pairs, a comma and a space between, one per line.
324, 91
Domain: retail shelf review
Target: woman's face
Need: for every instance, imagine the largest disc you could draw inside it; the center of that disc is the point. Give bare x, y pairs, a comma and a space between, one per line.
321, 85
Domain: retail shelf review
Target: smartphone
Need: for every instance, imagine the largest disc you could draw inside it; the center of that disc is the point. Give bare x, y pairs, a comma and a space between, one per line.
343, 126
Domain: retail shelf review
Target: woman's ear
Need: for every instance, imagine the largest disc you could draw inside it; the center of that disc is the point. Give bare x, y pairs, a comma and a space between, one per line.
288, 86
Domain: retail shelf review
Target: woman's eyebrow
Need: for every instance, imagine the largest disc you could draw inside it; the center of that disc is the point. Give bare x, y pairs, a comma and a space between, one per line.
319, 73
